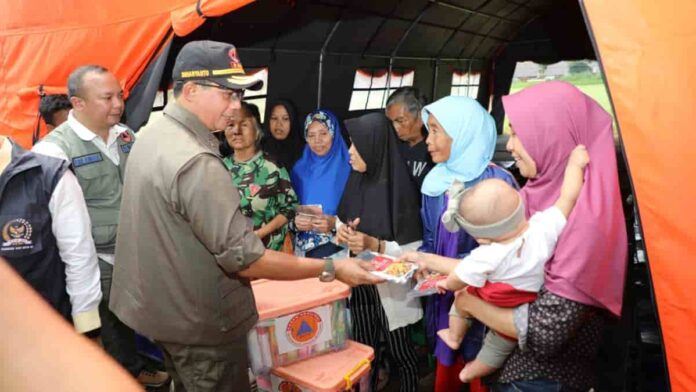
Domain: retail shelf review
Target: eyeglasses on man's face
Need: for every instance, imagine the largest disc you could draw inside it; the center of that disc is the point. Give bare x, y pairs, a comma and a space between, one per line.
228, 93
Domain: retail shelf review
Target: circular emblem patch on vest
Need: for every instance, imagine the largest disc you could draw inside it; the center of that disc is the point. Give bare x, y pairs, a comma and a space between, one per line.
304, 328
126, 137
287, 386
16, 235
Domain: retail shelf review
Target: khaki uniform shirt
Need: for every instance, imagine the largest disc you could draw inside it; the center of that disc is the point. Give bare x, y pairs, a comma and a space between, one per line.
182, 239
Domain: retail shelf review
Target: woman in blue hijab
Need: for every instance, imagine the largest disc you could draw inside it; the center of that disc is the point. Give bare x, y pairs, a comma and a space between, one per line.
461, 141
319, 177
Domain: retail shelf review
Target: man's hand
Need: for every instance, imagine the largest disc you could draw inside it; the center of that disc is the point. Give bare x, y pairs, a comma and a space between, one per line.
354, 273
579, 156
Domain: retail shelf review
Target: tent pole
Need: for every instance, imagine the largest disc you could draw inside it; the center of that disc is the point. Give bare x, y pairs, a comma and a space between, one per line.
396, 49
321, 61
354, 54
476, 12
435, 76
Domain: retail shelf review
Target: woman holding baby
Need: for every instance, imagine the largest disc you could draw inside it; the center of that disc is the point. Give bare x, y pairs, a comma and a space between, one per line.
558, 334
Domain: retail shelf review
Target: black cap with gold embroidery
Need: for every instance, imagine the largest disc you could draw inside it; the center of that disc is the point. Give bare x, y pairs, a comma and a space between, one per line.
214, 61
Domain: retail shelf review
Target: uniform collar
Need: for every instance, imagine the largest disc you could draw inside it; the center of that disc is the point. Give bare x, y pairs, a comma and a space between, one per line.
191, 122
87, 135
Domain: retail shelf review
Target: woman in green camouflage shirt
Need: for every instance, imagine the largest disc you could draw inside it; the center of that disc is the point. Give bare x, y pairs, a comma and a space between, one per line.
265, 191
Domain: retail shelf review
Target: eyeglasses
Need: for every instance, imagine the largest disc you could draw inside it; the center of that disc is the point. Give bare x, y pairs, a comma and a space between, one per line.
230, 94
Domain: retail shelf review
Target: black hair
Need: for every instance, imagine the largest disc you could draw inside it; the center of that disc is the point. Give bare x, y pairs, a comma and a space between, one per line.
51, 104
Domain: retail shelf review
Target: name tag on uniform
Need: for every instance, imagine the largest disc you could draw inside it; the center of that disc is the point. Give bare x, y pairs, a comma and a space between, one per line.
87, 159
125, 148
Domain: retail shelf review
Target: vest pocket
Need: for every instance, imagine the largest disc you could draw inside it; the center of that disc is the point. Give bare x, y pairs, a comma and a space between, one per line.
95, 179
104, 234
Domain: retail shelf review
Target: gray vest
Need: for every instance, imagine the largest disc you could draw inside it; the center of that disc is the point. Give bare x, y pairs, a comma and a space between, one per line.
101, 180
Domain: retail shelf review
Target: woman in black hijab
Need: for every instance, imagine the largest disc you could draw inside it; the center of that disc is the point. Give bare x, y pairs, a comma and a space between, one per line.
283, 137
381, 210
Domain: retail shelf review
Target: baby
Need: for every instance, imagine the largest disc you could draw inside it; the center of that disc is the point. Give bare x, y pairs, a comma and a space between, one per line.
507, 270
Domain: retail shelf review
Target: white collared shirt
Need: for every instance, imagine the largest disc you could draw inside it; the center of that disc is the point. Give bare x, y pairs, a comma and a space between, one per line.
72, 229
108, 148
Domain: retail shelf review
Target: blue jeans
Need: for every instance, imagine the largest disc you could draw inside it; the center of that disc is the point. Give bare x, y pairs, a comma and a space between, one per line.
532, 386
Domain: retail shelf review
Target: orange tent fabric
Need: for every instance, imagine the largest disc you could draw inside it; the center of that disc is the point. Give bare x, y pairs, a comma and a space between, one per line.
648, 52
42, 42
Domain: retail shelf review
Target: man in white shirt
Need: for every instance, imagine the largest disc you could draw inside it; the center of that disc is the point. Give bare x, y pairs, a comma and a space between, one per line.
97, 146
46, 234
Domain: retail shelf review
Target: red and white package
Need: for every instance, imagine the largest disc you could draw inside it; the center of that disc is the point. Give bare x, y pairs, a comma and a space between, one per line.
392, 270
427, 286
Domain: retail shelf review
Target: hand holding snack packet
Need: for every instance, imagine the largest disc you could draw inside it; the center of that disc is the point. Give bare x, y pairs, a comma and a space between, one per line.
415, 258
389, 268
442, 286
305, 215
428, 286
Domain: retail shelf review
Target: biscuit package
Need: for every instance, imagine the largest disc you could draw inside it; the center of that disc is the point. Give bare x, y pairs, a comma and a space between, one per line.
389, 268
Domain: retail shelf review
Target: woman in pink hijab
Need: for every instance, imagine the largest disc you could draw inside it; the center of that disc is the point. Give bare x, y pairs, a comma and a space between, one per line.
560, 332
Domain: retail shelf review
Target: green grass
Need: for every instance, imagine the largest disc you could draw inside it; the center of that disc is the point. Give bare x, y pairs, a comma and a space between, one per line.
591, 85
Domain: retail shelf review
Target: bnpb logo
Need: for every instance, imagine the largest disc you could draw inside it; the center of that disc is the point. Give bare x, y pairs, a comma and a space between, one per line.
304, 328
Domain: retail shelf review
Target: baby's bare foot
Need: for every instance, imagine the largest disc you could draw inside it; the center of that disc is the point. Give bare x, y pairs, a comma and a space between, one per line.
451, 341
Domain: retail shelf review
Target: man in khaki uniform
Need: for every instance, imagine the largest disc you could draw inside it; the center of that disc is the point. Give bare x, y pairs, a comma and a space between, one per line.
185, 252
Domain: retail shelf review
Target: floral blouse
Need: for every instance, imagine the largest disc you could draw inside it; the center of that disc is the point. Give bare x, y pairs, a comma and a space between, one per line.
265, 192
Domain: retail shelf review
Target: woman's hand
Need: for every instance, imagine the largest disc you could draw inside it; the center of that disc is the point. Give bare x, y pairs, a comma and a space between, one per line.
346, 230
323, 224
343, 234
497, 318
262, 232
303, 223
359, 242
268, 228
441, 286
417, 259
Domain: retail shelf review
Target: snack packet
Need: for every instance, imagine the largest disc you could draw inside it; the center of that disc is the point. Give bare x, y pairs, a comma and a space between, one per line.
427, 286
389, 268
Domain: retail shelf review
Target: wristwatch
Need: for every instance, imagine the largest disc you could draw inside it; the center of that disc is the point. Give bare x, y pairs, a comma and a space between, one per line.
329, 273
